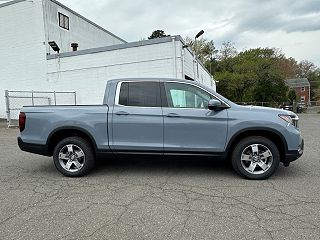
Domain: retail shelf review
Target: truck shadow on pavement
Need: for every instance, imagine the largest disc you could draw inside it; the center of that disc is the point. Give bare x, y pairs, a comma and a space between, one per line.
157, 165
195, 166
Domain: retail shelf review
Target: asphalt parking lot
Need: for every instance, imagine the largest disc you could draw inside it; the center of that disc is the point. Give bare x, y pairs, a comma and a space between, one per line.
158, 199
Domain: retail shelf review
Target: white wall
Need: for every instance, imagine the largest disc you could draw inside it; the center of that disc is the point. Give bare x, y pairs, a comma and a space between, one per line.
205, 78
22, 49
196, 71
24, 65
24, 44
87, 74
80, 30
188, 64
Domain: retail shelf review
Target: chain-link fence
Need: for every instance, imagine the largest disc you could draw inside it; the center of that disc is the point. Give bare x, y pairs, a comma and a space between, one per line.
15, 100
314, 107
264, 104
314, 103
298, 107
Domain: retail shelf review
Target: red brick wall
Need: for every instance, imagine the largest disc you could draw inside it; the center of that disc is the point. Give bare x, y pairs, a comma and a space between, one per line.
305, 93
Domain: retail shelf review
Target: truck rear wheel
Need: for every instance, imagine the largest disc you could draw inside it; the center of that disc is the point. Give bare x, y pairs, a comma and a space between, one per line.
255, 157
73, 157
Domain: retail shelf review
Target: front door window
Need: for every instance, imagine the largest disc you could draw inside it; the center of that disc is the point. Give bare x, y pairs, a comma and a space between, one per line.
186, 96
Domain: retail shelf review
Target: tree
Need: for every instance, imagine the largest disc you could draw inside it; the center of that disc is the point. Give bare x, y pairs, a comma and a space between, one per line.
204, 49
227, 50
158, 34
292, 95
251, 76
288, 67
314, 79
254, 75
305, 68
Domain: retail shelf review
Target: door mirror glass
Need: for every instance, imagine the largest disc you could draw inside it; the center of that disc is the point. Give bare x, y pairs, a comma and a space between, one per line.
214, 104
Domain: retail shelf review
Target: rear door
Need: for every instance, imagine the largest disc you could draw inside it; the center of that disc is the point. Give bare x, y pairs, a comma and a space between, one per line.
137, 120
189, 126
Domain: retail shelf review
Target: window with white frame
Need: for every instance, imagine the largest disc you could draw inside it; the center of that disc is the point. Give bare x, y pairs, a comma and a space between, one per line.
302, 98
303, 89
63, 21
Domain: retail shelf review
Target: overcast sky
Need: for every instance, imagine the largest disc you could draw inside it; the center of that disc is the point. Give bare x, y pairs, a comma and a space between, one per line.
293, 26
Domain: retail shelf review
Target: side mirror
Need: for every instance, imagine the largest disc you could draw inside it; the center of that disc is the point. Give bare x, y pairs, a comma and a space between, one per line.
215, 105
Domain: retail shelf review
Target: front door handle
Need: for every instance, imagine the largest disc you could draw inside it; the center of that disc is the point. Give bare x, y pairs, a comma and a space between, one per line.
122, 113
173, 115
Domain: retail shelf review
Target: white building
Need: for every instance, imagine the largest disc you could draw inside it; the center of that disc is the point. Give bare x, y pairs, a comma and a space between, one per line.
27, 62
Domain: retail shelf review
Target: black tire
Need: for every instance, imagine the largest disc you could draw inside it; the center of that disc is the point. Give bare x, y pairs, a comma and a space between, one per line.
81, 155
243, 167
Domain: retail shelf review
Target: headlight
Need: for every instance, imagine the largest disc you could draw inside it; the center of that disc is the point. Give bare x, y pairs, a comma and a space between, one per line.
286, 118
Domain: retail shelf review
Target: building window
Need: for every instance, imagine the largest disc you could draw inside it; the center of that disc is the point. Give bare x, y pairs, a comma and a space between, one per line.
302, 89
302, 98
63, 21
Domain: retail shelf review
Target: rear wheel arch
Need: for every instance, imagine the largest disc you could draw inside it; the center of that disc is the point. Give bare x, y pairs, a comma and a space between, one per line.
61, 133
270, 134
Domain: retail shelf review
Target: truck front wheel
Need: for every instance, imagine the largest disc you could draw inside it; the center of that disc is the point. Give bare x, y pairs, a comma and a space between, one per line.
73, 157
255, 157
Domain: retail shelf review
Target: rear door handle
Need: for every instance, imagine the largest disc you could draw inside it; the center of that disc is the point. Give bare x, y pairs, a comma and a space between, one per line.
173, 115
122, 113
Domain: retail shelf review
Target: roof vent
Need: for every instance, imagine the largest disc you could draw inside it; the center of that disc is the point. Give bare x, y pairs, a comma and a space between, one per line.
74, 46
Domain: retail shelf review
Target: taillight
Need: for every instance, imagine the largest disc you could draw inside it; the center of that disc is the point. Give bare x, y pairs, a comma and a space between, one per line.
22, 121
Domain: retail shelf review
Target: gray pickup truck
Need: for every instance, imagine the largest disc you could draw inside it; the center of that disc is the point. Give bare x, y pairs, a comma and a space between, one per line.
162, 117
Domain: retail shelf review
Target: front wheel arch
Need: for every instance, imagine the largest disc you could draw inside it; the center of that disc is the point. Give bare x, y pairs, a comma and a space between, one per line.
270, 134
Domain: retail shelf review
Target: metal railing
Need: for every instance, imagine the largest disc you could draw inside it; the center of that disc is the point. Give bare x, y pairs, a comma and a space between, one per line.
15, 100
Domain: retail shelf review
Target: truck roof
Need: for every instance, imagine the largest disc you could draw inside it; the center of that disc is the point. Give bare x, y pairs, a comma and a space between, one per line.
154, 79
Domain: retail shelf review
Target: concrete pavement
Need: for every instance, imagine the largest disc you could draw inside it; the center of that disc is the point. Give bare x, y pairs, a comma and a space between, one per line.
158, 199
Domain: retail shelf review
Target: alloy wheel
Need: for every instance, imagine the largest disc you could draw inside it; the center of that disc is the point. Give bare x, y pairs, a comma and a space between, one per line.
71, 158
256, 159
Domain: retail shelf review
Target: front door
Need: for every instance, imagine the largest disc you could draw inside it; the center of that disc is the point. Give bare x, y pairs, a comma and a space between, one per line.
137, 120
189, 126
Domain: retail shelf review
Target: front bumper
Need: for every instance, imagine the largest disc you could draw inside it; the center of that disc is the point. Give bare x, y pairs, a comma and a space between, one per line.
292, 155
33, 148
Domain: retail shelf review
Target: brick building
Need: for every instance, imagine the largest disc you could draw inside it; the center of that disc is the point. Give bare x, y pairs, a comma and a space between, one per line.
302, 89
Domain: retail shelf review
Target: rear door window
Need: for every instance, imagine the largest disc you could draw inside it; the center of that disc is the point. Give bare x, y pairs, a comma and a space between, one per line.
140, 94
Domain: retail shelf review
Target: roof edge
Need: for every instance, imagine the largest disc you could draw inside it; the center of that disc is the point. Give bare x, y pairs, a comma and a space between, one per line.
125, 45
70, 10
297, 82
10, 3
86, 19
114, 47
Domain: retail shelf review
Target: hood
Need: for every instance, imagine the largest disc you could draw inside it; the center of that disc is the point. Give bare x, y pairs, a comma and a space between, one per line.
267, 109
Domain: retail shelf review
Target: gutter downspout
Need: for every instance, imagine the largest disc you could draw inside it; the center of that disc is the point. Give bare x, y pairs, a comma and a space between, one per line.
182, 63
174, 57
